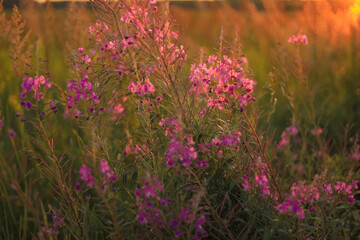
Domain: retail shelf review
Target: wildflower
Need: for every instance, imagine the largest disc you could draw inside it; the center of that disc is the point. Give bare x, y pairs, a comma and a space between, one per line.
86, 59
355, 184
293, 207
299, 39
165, 201
158, 99
316, 131
118, 109
202, 112
263, 182
85, 175
246, 183
82, 90
286, 136
355, 156
34, 85
328, 189
185, 215
141, 89
351, 199
174, 223
58, 221
104, 167
78, 186
223, 82
292, 130
12, 134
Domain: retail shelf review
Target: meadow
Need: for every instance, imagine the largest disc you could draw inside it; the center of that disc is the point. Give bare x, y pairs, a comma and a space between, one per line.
148, 120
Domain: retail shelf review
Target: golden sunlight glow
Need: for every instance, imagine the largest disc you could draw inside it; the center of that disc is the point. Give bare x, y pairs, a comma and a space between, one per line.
355, 9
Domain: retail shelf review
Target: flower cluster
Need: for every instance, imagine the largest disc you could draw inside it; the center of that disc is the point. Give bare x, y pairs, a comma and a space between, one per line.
172, 127
109, 176
227, 140
182, 154
260, 183
317, 131
37, 86
286, 136
181, 150
98, 29
141, 17
147, 199
223, 82
299, 39
81, 90
303, 195
152, 211
344, 189
52, 232
141, 89
186, 216
291, 206
142, 150
104, 169
85, 175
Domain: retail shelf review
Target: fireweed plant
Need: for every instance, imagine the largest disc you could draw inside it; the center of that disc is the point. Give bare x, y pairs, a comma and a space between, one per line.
190, 163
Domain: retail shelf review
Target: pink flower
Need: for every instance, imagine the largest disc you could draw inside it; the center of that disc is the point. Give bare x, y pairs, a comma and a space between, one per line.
85, 175
355, 184
351, 199
299, 39
202, 112
316, 131
292, 130
246, 183
118, 109
185, 215
356, 156
104, 167
86, 59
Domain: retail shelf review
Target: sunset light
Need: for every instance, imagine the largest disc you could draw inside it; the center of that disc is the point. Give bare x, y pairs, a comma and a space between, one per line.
355, 9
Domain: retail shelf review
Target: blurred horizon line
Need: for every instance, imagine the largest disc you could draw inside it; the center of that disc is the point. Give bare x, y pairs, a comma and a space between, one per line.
44, 1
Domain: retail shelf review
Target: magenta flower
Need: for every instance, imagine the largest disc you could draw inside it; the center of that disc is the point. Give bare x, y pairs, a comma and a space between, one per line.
351, 199
104, 167
174, 223
34, 85
185, 215
12, 134
202, 112
85, 175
